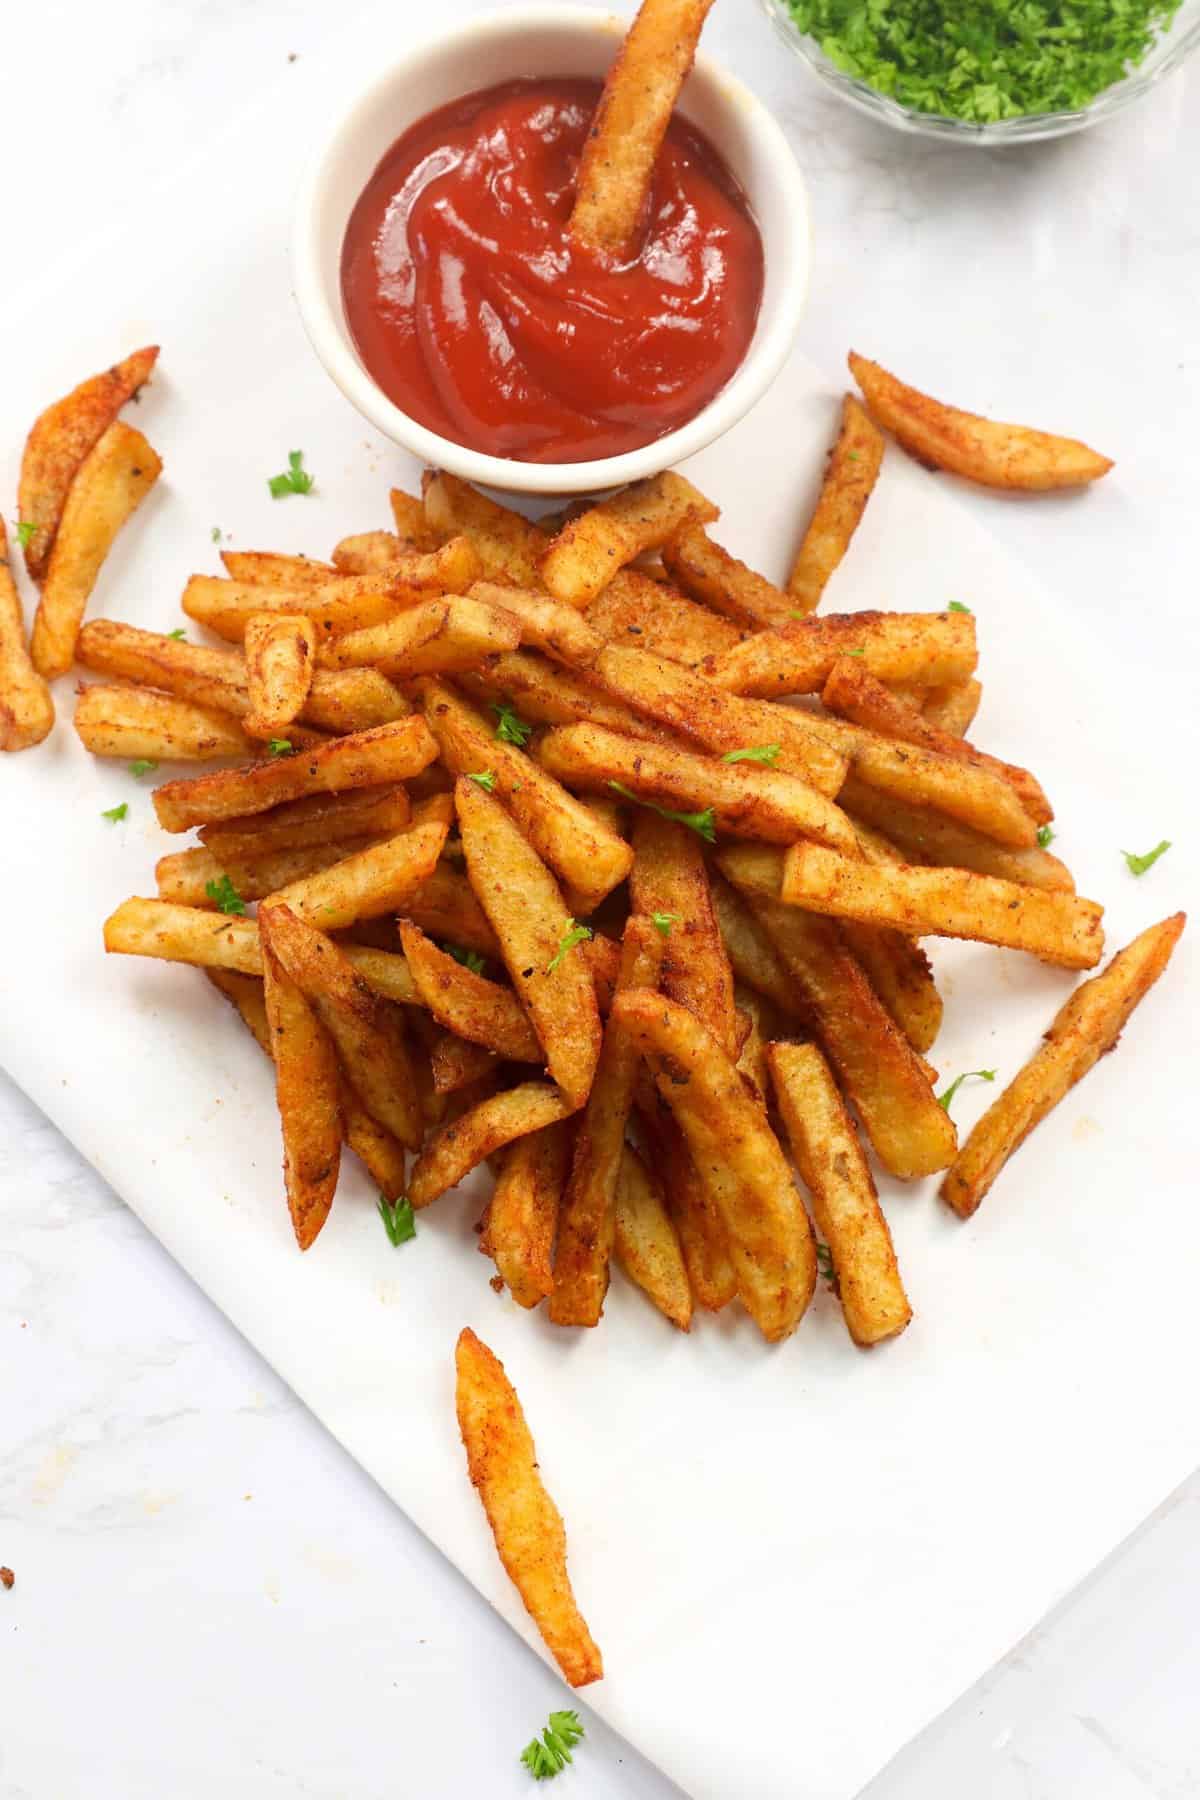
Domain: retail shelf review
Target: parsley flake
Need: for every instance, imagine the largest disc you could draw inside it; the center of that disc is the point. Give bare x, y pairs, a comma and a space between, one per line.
663, 921
759, 753
225, 896
398, 1220
216, 534
280, 746
116, 813
297, 480
1045, 837
548, 1755
944, 1100
825, 1268
25, 531
177, 636
470, 959
703, 823
1137, 865
510, 726
144, 765
485, 777
574, 934
957, 606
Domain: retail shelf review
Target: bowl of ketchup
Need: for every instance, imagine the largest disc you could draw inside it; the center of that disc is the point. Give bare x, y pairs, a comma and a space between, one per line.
440, 287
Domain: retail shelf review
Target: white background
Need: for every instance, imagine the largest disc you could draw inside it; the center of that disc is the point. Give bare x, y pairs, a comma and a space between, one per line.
153, 1468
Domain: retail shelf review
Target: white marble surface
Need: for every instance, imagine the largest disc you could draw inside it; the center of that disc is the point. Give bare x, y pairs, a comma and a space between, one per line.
210, 1596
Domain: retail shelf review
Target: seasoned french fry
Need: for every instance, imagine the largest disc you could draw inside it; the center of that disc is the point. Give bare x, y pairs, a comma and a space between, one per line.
981, 450
669, 882
62, 439
324, 819
184, 877
411, 525
744, 798
612, 186
925, 836
645, 1243
459, 1146
133, 722
708, 573
545, 624
648, 615
508, 546
436, 637
373, 881
525, 1522
1059, 928
589, 550
26, 709
370, 552
365, 759
751, 953
953, 708
445, 907
850, 479
763, 1020
703, 1240
844, 1202
1088, 1025
268, 568
899, 971
307, 1092
588, 1211
926, 648
525, 910
473, 1008
523, 1212
110, 484
548, 695
280, 648
456, 1064
726, 1127
342, 603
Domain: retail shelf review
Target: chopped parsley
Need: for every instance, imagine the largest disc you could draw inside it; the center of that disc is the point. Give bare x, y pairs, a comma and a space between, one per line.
703, 823
297, 480
759, 753
225, 896
663, 921
216, 534
825, 1268
177, 635
485, 777
144, 765
574, 934
1137, 865
280, 746
957, 606
861, 651
548, 1755
510, 726
944, 1100
25, 531
470, 959
398, 1220
797, 615
1045, 837
116, 813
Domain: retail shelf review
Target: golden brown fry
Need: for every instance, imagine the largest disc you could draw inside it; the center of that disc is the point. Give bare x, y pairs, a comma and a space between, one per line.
523, 1212
436, 637
645, 1243
925, 836
752, 955
589, 551
324, 819
60, 442
445, 907
111, 483
525, 909
467, 1004
648, 615
456, 1064
307, 1094
708, 573
412, 527
763, 1021
669, 882
507, 545
1060, 928
726, 1127
898, 969
184, 877
370, 552
844, 1202
541, 692
341, 603
850, 479
280, 648
373, 881
525, 1522
926, 648
703, 1240
459, 1146
1088, 1025
133, 722
587, 1214
545, 623
953, 708
26, 709
269, 568
981, 450
365, 759
616, 170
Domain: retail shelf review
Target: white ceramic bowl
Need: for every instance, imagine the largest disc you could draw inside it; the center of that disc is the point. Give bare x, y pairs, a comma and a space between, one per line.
501, 46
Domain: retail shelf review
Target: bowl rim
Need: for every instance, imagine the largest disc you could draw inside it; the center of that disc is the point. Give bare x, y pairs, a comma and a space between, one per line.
330, 338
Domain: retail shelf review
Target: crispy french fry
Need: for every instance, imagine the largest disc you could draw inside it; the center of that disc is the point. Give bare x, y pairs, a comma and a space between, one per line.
648, 615
763, 1020
850, 479
953, 708
507, 545
459, 1146
110, 484
708, 573
523, 1212
324, 819
185, 876
456, 1064
445, 908
588, 1211
339, 604
898, 969
60, 442
526, 911
586, 554
370, 552
373, 881
26, 709
703, 1240
548, 695
980, 450
436, 637
366, 1031
726, 1128
744, 798
307, 1092
133, 722
473, 1008
280, 648
545, 624
751, 953
525, 1522
374, 758
645, 1243
669, 882
844, 1202
926, 648
612, 187
272, 569
412, 527
1059, 928
925, 836
1088, 1025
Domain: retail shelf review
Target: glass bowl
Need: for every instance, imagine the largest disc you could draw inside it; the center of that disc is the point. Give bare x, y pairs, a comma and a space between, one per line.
1168, 53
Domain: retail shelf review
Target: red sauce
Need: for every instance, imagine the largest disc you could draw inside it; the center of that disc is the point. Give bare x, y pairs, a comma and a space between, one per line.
474, 311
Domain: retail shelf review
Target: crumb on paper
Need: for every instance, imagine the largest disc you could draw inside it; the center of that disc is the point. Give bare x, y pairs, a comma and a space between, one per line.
496, 1284
7, 1577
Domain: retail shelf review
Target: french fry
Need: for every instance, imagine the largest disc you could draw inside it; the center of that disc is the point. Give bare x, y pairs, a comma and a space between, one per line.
648, 615
324, 819
60, 442
268, 568
369, 552
525, 1523
726, 1128
953, 708
980, 450
280, 648
373, 881
669, 881
525, 910
844, 1202
751, 953
925, 836
590, 858
1088, 1025
374, 758
343, 603
1060, 928
412, 527
616, 170
898, 969
434, 638
588, 1210
926, 648
459, 1146
456, 1064
26, 709
111, 483
850, 478
184, 876
473, 1008
307, 1092
645, 1243
540, 691
523, 1212
445, 907
508, 546
588, 551
366, 1031
763, 1019
545, 624
133, 722
744, 798
708, 573
703, 1240
852, 693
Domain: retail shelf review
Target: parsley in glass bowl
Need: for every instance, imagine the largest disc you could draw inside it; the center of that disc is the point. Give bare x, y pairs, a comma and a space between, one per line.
989, 72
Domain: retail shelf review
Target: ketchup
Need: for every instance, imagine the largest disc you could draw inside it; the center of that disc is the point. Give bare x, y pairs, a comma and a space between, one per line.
476, 313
